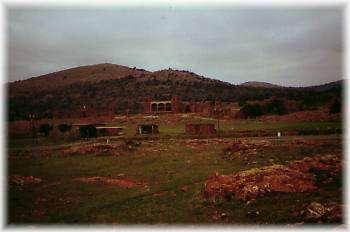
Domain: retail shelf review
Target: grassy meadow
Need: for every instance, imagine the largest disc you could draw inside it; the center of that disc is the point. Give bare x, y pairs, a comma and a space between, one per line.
173, 170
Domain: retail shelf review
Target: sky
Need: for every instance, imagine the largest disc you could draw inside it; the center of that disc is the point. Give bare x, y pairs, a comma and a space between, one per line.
285, 46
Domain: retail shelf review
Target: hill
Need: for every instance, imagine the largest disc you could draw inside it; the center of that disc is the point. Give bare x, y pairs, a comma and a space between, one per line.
259, 84
110, 88
83, 75
327, 86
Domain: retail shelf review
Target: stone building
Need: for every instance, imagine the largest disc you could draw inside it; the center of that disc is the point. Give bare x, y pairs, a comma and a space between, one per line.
216, 108
157, 107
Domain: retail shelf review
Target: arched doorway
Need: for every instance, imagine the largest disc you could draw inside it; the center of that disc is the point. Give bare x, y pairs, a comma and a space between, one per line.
154, 107
187, 109
168, 106
161, 107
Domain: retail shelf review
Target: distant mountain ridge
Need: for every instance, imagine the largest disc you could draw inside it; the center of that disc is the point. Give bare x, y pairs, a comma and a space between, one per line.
108, 71
327, 86
90, 74
260, 84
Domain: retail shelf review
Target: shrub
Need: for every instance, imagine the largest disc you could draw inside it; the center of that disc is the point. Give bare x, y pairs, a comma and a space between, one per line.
64, 127
87, 131
241, 103
103, 132
251, 110
45, 129
276, 106
335, 107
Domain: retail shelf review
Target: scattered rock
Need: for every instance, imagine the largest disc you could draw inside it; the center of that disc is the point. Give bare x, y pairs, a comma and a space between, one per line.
243, 149
18, 180
317, 212
100, 149
298, 176
125, 183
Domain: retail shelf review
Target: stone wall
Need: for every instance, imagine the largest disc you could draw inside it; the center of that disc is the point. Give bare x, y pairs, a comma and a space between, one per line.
200, 129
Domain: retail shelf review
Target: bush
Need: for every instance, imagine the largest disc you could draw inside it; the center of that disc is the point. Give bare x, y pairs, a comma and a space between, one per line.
103, 132
64, 127
241, 103
45, 129
87, 131
335, 107
251, 110
276, 106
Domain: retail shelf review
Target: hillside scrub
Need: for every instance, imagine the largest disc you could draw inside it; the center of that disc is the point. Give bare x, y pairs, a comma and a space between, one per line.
87, 131
102, 95
45, 129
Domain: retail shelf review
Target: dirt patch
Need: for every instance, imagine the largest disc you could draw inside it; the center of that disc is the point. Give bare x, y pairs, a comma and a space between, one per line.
120, 182
203, 144
159, 194
298, 176
17, 180
197, 144
185, 188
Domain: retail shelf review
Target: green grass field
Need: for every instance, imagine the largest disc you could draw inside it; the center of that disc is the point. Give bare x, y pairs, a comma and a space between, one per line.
166, 167
173, 170
168, 127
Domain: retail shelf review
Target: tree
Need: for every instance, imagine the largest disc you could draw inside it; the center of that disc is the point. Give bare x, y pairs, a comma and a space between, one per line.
241, 102
335, 107
88, 131
251, 110
276, 106
64, 127
45, 129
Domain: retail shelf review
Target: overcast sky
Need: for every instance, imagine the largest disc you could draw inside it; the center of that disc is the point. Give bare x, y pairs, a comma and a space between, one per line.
286, 46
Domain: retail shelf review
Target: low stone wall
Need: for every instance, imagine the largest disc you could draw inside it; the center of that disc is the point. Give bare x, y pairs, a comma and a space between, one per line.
200, 129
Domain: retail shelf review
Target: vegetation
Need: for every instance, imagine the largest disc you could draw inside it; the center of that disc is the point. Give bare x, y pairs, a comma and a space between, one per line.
172, 165
251, 110
336, 107
276, 106
118, 95
87, 131
174, 172
64, 127
45, 129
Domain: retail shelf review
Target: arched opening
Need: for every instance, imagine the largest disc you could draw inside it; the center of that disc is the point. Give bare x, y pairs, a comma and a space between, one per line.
168, 106
154, 107
161, 107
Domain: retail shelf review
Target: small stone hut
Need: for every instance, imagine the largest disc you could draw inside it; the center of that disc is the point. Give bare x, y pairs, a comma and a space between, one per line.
147, 129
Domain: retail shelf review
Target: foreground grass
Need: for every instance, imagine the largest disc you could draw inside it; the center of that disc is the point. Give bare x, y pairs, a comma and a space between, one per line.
174, 172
